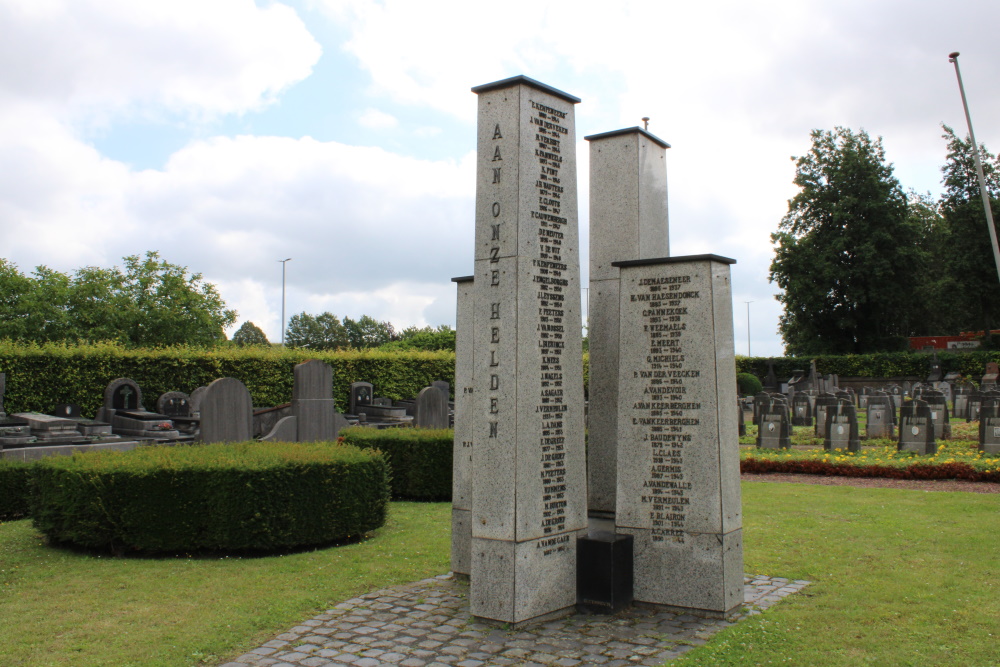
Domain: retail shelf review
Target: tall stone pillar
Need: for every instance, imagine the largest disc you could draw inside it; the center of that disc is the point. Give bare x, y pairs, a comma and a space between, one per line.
528, 481
461, 480
678, 449
628, 220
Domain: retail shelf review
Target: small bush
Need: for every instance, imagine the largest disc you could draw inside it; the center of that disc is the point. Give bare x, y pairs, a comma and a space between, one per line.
236, 496
748, 384
14, 481
421, 459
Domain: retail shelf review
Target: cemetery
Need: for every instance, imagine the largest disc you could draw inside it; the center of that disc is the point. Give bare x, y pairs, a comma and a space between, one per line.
506, 504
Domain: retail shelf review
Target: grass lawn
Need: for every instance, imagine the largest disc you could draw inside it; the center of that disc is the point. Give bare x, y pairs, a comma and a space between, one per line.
61, 607
900, 578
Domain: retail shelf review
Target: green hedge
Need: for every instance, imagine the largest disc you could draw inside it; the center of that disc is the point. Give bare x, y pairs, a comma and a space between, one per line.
881, 365
39, 377
14, 476
421, 459
244, 496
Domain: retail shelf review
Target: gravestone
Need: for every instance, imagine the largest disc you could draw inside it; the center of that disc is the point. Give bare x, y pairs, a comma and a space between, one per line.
938, 405
896, 392
628, 220
863, 397
120, 394
823, 402
226, 412
529, 480
881, 417
989, 380
174, 404
960, 401
775, 429
761, 401
432, 409
678, 456
973, 402
195, 400
444, 387
315, 411
144, 424
771, 379
801, 411
936, 373
462, 454
361, 395
741, 419
49, 429
989, 426
842, 428
916, 428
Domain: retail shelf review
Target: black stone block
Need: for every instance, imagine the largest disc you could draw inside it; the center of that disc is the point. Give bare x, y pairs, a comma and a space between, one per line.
604, 574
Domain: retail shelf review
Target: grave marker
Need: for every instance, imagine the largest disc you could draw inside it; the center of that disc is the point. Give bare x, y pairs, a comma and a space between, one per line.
916, 428
226, 412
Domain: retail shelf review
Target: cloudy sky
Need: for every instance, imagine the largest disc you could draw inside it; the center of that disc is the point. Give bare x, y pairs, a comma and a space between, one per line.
230, 134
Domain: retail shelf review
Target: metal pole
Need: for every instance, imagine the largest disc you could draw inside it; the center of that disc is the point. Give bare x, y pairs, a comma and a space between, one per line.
748, 327
953, 58
283, 299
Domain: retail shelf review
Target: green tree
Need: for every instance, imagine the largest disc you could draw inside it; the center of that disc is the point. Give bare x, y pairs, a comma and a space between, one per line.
846, 251
975, 295
316, 332
150, 303
366, 332
249, 334
425, 338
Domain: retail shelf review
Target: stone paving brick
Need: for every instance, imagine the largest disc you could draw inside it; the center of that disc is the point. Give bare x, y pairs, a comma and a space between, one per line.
428, 624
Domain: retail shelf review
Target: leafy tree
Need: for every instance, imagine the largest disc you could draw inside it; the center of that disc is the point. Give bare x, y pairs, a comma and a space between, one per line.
974, 298
150, 303
846, 251
367, 332
249, 334
426, 338
316, 332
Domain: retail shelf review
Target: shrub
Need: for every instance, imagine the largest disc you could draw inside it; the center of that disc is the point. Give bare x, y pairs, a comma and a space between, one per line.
244, 496
421, 459
748, 384
14, 480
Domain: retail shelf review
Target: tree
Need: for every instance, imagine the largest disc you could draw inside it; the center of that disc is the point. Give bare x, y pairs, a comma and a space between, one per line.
975, 296
367, 332
846, 251
249, 334
151, 302
316, 332
426, 338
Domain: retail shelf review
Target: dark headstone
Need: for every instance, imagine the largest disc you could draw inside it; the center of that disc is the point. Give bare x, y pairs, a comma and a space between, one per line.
317, 419
67, 411
195, 400
990, 377
444, 387
881, 416
761, 401
973, 402
842, 428
770, 380
226, 412
936, 374
801, 410
174, 404
604, 574
938, 405
741, 424
824, 401
774, 430
989, 426
916, 428
362, 394
123, 394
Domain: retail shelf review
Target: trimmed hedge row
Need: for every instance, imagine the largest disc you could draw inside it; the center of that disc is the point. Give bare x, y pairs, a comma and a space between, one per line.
962, 471
420, 459
244, 496
881, 365
14, 481
39, 377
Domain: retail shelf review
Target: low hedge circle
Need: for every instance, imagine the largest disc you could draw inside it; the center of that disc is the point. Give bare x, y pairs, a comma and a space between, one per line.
249, 496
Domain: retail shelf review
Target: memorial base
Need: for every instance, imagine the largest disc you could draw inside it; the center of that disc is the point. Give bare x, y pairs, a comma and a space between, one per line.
604, 574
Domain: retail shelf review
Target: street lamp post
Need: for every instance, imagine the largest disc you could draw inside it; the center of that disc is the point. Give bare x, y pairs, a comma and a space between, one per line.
748, 326
283, 261
953, 58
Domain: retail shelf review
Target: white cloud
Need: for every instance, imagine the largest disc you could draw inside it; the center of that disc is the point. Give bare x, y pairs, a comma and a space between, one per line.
377, 120
111, 57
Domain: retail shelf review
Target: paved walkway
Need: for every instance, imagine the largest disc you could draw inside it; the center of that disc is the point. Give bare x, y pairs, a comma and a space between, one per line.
428, 624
